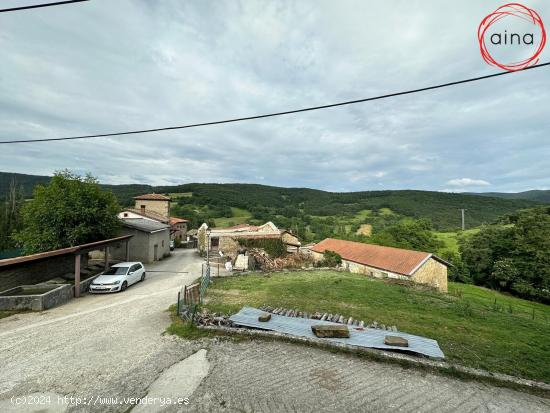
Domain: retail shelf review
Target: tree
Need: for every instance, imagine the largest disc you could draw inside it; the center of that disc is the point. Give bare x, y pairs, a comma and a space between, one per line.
514, 258
10, 215
409, 234
69, 211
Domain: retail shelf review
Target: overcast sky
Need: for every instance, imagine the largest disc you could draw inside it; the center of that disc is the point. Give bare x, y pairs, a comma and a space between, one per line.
106, 66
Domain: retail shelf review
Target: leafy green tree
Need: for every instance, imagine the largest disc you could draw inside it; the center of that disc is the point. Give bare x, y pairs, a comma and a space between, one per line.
10, 215
70, 210
482, 250
409, 234
514, 258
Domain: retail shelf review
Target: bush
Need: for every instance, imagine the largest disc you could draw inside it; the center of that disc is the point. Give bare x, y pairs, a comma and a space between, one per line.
273, 246
330, 259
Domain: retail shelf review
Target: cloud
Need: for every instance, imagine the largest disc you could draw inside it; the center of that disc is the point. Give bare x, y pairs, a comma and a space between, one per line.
463, 182
135, 64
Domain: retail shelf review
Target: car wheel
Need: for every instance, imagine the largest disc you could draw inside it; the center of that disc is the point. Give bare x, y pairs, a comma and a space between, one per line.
143, 277
124, 286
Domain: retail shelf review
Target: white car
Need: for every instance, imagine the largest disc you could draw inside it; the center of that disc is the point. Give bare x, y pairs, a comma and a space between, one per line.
118, 277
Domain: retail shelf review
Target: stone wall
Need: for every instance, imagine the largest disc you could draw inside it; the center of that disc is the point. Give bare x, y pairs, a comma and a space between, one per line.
35, 272
229, 246
432, 273
158, 207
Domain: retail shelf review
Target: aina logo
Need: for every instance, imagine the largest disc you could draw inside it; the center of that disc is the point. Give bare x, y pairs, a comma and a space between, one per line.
512, 37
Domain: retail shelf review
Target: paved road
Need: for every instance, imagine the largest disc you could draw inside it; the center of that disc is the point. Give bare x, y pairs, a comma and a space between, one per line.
112, 346
101, 345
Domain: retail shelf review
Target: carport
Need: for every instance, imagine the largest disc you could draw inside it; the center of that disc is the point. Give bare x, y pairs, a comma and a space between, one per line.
36, 268
94, 246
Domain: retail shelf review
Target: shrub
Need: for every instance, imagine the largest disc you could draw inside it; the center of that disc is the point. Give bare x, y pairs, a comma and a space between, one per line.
330, 259
273, 246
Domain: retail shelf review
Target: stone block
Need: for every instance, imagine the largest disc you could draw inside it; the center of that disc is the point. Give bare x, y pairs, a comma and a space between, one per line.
323, 331
396, 341
264, 317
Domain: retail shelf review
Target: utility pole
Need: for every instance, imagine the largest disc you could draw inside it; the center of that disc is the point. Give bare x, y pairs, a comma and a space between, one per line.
463, 224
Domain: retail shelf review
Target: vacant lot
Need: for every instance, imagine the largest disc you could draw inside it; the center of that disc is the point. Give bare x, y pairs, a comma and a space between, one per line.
474, 326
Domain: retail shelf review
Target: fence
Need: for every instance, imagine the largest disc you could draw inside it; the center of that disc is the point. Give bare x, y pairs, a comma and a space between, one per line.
189, 297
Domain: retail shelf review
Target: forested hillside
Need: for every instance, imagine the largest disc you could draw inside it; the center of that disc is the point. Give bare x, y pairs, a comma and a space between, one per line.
535, 195
266, 202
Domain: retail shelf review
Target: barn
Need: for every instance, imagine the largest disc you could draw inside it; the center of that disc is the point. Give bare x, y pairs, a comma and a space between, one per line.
387, 262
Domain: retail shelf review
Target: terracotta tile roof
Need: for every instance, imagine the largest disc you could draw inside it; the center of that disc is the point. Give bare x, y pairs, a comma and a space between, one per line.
174, 220
148, 214
153, 197
395, 260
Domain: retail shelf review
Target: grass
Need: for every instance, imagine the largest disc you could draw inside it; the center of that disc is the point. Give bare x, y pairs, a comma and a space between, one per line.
474, 326
8, 313
450, 239
185, 329
240, 216
176, 195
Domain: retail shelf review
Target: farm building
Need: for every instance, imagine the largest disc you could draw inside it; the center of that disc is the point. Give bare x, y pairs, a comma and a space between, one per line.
226, 239
387, 262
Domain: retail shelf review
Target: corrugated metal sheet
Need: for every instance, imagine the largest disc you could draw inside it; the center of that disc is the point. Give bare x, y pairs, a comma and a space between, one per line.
369, 337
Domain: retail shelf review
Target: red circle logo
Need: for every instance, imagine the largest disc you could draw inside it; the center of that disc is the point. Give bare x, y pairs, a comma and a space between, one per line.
516, 11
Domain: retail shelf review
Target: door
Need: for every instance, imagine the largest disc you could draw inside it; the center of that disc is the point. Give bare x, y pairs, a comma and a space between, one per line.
156, 253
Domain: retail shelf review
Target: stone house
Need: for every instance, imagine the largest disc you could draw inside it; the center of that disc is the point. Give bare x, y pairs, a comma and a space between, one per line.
178, 228
150, 241
226, 239
156, 207
387, 262
156, 203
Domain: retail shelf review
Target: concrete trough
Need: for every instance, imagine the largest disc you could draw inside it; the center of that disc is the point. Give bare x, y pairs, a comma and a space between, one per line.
38, 297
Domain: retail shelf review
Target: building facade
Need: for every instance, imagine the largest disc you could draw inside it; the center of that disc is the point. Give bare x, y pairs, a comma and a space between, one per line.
150, 241
387, 262
226, 239
156, 207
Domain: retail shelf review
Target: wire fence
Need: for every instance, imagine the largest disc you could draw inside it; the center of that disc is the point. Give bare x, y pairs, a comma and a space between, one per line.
190, 297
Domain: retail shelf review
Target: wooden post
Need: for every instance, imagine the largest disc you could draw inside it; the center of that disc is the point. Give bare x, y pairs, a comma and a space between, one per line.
77, 276
127, 250
106, 258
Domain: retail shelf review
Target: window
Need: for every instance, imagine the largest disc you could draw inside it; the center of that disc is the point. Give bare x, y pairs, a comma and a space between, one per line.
126, 215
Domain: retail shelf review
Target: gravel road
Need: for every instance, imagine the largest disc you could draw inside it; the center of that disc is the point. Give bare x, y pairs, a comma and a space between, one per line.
112, 346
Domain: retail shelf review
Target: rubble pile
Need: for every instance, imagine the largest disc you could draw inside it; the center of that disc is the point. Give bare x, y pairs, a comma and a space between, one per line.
204, 318
335, 318
264, 262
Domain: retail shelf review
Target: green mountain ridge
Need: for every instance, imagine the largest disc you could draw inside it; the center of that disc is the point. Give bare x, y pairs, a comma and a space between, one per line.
533, 195
262, 200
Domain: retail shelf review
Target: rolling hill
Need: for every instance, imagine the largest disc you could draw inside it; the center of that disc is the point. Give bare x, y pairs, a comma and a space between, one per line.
534, 195
441, 208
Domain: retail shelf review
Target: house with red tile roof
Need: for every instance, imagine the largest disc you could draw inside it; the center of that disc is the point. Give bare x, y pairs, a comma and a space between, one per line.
387, 262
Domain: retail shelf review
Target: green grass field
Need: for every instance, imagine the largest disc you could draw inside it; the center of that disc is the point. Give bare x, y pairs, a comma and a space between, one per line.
474, 326
240, 216
450, 239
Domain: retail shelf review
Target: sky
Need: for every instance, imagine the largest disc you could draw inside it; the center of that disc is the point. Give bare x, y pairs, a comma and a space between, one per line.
107, 66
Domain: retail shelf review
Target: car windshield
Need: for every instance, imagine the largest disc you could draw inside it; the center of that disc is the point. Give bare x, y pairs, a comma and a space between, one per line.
116, 271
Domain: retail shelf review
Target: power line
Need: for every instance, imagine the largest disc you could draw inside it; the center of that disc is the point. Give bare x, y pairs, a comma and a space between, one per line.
36, 6
288, 112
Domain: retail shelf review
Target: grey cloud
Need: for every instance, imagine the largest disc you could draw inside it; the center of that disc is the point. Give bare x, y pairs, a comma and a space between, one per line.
112, 66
